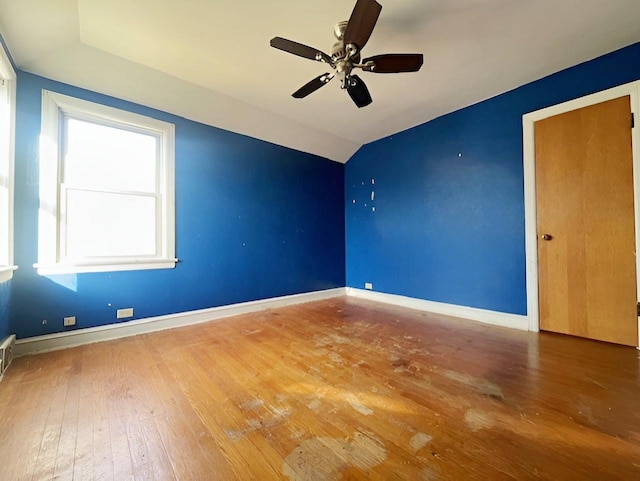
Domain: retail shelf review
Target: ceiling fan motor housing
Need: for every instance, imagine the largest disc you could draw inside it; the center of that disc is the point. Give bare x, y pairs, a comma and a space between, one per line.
340, 28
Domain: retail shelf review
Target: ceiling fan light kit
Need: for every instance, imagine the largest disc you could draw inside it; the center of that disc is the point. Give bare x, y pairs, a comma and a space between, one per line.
352, 36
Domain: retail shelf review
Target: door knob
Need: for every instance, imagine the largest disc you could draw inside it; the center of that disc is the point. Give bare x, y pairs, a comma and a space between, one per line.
547, 237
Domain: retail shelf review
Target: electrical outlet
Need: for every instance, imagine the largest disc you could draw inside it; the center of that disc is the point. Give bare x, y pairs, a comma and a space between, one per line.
368, 286
69, 321
124, 313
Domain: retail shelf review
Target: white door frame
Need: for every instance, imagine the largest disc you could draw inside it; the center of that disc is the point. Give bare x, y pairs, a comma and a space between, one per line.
531, 239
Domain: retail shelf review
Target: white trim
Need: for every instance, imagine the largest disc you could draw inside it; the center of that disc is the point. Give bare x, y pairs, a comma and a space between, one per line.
63, 340
102, 266
51, 227
514, 321
9, 76
6, 272
531, 243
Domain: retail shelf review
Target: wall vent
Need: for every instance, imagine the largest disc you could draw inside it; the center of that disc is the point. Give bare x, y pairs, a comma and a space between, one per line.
6, 352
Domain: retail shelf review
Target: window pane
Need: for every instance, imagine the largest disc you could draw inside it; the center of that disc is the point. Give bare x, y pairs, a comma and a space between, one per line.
4, 222
108, 158
103, 224
5, 142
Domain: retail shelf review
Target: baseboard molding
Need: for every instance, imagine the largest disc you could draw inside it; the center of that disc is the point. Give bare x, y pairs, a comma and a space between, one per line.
63, 340
502, 319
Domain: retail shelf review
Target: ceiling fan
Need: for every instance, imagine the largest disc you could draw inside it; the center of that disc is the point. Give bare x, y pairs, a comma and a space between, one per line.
352, 36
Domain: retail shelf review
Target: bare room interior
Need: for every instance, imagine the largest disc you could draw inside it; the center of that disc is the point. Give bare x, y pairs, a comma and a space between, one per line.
319, 241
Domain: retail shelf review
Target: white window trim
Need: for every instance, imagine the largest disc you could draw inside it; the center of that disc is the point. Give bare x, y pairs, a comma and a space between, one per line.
54, 106
8, 75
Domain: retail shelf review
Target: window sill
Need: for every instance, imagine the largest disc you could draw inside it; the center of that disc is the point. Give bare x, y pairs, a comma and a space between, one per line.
130, 265
6, 273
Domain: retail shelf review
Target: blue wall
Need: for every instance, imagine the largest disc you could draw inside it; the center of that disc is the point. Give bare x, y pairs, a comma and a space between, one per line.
448, 224
253, 221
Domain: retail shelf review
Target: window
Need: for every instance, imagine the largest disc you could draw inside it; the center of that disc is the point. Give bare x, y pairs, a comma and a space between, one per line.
106, 189
7, 117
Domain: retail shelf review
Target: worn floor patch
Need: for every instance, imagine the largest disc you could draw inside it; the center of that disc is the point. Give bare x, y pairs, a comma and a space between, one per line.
274, 417
324, 459
477, 420
335, 357
419, 441
330, 340
252, 404
357, 404
479, 384
428, 474
314, 404
251, 333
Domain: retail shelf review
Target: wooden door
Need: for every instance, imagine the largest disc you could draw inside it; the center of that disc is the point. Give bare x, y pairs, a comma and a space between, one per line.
585, 203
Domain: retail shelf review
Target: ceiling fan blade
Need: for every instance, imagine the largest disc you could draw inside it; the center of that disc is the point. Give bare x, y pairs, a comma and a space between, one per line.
394, 63
300, 50
359, 92
312, 86
363, 18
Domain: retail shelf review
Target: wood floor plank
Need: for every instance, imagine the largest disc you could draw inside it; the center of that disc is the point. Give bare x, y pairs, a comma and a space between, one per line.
65, 452
189, 445
342, 389
17, 419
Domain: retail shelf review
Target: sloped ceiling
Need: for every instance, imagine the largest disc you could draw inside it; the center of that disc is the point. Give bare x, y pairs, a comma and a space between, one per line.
210, 61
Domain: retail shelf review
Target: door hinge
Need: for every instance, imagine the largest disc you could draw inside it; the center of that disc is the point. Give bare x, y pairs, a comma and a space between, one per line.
638, 309
633, 120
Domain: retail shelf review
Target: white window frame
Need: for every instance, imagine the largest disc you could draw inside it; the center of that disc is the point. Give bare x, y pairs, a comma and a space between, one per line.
7, 119
51, 247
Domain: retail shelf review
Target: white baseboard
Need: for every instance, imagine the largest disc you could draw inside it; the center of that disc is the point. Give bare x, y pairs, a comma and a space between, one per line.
502, 319
63, 340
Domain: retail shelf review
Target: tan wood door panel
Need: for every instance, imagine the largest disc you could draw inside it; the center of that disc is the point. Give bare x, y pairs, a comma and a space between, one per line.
585, 202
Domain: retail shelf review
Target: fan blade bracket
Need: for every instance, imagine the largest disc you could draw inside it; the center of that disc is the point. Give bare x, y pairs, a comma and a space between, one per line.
310, 87
351, 50
369, 66
324, 58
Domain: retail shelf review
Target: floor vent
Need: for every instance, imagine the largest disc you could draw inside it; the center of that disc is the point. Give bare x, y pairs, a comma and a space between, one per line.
6, 353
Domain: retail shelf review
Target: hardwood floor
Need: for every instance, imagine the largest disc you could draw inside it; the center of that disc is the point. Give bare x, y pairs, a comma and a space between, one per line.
342, 389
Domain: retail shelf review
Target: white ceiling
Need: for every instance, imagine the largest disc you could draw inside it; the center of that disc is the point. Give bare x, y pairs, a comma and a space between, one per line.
210, 60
